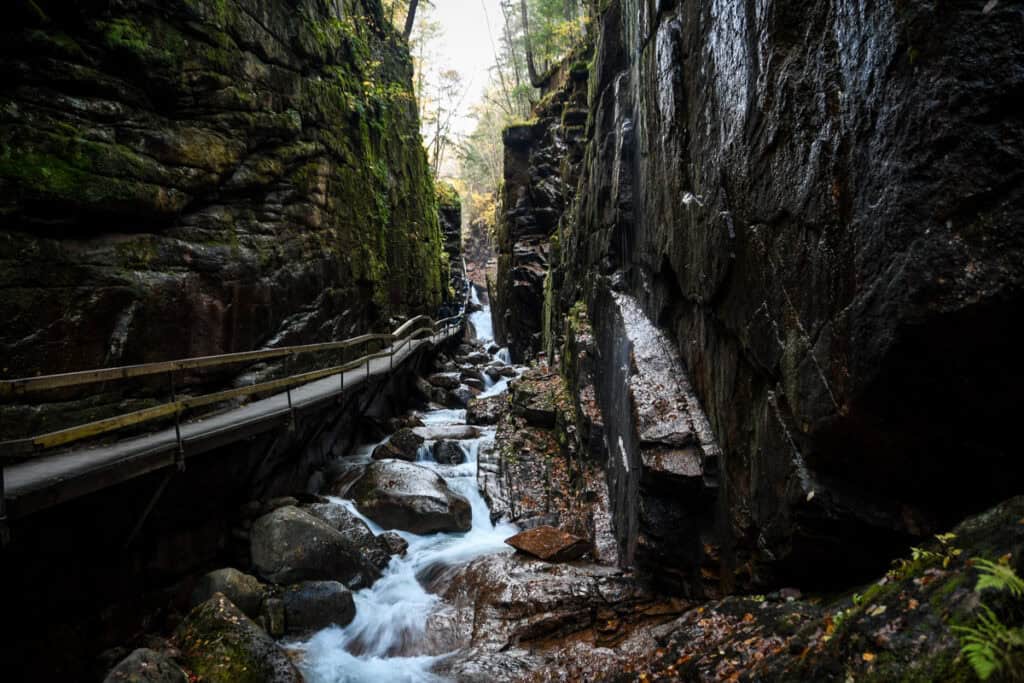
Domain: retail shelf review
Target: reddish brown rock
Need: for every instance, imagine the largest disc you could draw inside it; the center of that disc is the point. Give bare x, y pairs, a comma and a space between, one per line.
550, 544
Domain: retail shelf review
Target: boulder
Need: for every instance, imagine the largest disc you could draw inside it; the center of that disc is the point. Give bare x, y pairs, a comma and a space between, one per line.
395, 544
403, 445
485, 411
448, 453
473, 383
355, 530
244, 590
475, 358
219, 643
444, 380
550, 544
341, 474
499, 371
146, 666
410, 421
401, 495
460, 397
470, 372
291, 545
313, 605
452, 432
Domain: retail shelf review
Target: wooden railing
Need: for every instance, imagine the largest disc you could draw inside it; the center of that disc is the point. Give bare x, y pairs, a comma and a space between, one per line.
395, 342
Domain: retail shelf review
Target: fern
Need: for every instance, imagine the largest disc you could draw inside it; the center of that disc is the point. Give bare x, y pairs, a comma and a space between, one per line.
998, 577
986, 644
989, 645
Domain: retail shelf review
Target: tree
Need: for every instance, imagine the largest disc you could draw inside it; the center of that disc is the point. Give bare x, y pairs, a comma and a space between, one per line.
535, 79
410, 19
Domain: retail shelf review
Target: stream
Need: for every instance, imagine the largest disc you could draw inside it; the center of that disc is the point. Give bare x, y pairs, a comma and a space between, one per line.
387, 640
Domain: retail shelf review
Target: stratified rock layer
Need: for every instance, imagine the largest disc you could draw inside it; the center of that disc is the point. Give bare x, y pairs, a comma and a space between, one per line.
194, 177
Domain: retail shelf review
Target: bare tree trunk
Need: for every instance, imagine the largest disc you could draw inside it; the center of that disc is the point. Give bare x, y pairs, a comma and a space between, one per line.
535, 80
410, 19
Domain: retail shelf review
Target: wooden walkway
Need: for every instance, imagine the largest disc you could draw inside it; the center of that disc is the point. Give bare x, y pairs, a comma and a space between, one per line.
48, 480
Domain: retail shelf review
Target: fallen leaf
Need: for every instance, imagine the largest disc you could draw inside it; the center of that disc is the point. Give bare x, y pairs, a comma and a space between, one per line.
868, 657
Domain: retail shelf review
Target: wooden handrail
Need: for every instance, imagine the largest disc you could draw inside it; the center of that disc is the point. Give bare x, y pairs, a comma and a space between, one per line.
20, 448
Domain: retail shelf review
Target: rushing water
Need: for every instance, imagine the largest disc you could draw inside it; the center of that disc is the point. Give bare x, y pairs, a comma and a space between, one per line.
386, 641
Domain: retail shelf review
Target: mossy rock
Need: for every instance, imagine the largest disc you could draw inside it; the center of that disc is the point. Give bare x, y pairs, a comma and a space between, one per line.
219, 644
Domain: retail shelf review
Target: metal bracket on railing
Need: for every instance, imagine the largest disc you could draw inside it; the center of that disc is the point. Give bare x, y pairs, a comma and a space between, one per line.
179, 453
5, 531
288, 390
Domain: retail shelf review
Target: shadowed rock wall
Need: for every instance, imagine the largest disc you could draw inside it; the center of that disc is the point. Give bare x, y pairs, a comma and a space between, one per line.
822, 204
191, 177
541, 166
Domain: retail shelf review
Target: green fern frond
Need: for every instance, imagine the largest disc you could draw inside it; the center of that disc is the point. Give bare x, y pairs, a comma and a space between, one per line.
998, 577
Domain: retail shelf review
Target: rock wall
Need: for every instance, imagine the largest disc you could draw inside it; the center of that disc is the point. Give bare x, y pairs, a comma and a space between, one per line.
821, 204
542, 163
198, 177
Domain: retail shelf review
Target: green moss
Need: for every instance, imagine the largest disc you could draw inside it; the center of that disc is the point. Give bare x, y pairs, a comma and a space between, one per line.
447, 195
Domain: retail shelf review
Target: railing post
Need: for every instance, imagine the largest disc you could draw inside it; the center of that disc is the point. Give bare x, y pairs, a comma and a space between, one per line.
5, 531
342, 373
179, 454
366, 352
288, 390
391, 356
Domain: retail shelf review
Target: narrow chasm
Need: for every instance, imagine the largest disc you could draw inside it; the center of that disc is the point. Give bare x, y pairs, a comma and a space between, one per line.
485, 341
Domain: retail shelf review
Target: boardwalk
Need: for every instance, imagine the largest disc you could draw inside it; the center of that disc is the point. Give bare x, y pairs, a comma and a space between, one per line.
45, 481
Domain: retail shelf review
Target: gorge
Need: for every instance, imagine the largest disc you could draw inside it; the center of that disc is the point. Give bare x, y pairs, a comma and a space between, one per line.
719, 386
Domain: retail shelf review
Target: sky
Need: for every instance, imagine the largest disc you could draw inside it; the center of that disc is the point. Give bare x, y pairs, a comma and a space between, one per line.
466, 47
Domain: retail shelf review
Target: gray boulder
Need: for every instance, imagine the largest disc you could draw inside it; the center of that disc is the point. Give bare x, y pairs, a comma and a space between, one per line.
448, 453
396, 545
453, 432
444, 380
403, 445
244, 590
401, 495
146, 666
355, 531
313, 605
291, 545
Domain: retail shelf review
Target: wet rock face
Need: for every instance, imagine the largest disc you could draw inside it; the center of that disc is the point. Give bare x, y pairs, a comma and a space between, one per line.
541, 164
781, 186
212, 167
401, 495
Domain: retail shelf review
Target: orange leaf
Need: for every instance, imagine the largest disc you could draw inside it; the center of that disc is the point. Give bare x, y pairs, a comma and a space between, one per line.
868, 657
